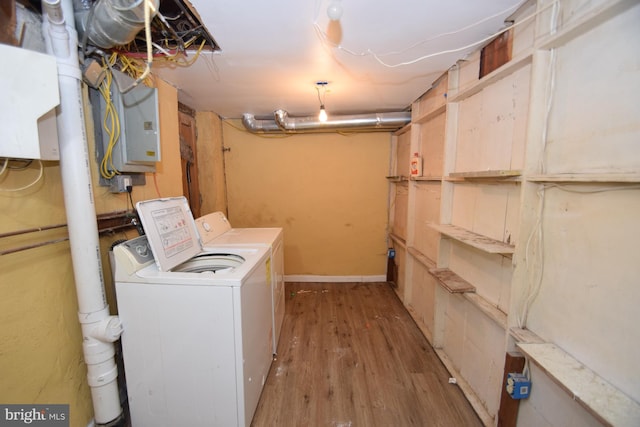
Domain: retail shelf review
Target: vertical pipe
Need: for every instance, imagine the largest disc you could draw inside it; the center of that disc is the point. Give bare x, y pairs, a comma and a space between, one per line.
99, 330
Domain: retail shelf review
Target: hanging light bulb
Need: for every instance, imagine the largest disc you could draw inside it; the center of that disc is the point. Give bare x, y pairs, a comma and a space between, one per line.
334, 11
323, 114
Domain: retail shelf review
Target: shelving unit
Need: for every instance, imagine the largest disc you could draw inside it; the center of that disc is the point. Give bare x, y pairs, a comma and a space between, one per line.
475, 240
451, 281
531, 187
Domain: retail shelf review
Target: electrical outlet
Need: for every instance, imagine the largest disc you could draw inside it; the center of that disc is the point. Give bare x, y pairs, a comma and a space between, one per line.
119, 183
518, 385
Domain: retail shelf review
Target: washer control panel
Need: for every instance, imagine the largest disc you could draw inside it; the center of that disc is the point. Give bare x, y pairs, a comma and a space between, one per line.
133, 255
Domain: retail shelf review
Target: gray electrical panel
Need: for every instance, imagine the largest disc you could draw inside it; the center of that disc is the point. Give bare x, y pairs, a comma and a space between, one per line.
138, 147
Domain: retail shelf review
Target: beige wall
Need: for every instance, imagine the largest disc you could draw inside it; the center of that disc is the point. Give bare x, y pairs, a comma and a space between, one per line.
328, 192
41, 358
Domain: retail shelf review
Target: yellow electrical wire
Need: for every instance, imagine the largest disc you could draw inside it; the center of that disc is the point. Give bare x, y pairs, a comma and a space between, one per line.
111, 126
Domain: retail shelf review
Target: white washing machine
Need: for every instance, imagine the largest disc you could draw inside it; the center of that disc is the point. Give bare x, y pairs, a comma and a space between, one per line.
216, 232
197, 343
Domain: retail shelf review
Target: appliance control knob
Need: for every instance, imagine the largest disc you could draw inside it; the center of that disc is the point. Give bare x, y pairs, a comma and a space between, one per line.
142, 250
206, 226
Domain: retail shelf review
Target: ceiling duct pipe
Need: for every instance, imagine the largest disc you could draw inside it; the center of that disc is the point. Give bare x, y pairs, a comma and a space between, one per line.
365, 122
109, 23
259, 126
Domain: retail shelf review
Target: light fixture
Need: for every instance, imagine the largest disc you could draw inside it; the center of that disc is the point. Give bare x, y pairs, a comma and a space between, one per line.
322, 116
334, 11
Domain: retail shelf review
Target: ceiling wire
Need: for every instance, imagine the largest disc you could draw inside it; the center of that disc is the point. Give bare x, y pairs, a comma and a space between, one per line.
378, 57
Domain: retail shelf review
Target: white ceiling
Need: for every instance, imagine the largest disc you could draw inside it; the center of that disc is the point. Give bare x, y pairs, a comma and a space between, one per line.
274, 51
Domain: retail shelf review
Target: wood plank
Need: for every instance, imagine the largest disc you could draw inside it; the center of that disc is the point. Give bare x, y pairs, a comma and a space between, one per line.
509, 68
595, 17
421, 258
399, 240
397, 178
496, 174
587, 177
496, 53
493, 312
426, 178
351, 355
525, 336
508, 412
466, 388
451, 281
475, 240
601, 399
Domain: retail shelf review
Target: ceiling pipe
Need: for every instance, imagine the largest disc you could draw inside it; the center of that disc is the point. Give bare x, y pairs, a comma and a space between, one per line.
370, 122
363, 122
259, 126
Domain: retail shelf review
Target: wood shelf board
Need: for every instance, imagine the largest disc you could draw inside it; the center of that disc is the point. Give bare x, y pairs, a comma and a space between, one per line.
475, 240
601, 399
426, 178
398, 178
421, 258
504, 71
492, 174
587, 177
406, 128
525, 336
399, 240
493, 312
576, 28
451, 281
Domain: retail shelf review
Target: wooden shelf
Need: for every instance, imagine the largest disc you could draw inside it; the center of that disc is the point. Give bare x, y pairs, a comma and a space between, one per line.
591, 20
500, 175
421, 258
399, 240
406, 128
522, 335
586, 178
601, 399
478, 241
451, 281
493, 312
506, 70
426, 178
430, 114
399, 178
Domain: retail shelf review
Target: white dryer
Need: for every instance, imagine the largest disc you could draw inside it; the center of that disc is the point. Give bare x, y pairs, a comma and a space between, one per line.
196, 343
216, 232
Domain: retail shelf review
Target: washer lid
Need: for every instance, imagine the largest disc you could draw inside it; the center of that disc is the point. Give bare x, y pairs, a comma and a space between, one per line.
170, 230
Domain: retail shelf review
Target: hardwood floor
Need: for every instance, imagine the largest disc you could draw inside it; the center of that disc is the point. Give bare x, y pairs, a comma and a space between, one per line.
350, 355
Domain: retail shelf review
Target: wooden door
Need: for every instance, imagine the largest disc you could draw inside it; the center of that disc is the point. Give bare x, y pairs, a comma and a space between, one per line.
189, 159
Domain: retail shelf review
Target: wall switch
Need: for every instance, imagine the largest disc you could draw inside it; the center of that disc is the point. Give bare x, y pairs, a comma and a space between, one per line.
119, 183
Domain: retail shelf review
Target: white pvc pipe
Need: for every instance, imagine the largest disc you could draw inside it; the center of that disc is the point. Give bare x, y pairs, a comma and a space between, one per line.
99, 330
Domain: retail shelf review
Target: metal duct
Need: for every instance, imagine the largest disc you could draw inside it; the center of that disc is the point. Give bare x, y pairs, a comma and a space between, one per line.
363, 122
109, 23
370, 122
259, 126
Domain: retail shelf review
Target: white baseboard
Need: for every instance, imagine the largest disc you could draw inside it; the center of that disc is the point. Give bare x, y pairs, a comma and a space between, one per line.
326, 279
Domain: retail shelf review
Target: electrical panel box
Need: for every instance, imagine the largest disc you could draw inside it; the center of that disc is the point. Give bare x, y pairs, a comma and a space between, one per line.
30, 95
138, 147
